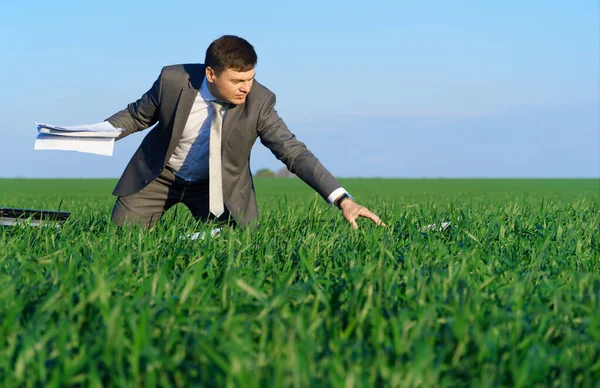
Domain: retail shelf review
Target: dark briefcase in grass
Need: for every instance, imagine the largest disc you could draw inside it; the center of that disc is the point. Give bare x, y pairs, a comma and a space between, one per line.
33, 217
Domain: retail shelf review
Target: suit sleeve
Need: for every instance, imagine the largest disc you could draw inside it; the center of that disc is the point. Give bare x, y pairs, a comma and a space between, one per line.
140, 114
275, 135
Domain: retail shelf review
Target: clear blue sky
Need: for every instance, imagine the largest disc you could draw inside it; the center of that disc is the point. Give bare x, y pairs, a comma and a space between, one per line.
377, 88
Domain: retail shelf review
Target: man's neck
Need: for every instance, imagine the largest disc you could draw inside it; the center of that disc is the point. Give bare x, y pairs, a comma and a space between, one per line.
213, 91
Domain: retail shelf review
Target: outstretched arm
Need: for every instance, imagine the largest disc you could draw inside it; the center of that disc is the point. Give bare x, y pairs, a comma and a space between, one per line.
275, 135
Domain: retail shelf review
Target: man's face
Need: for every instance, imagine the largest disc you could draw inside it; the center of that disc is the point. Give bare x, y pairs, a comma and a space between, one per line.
230, 85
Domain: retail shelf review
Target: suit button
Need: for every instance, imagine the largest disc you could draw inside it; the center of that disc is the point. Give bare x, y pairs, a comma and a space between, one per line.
146, 182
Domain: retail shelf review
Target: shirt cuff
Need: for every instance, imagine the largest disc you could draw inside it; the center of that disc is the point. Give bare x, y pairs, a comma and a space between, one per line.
336, 193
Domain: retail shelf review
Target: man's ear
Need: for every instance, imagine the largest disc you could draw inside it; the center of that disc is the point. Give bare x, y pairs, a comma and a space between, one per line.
210, 74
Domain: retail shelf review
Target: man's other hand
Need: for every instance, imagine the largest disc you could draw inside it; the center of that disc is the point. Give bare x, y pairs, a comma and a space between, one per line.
351, 211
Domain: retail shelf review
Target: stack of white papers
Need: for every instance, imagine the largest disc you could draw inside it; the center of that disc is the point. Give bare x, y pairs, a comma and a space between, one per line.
95, 138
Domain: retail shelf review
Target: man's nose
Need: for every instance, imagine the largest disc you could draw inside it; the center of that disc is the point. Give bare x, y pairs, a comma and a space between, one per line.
246, 86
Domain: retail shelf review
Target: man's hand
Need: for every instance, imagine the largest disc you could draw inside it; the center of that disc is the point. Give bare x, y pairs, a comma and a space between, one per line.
351, 211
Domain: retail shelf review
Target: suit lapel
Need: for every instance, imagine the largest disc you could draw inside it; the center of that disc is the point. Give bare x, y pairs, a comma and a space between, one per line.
184, 106
187, 96
231, 118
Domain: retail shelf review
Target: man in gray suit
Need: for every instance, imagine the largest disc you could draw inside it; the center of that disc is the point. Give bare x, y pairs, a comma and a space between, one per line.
207, 118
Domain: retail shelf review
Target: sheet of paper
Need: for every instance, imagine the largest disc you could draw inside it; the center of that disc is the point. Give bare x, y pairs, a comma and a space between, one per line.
104, 126
50, 131
92, 145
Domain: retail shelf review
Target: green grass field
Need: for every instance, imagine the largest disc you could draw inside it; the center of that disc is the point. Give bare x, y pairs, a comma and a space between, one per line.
509, 297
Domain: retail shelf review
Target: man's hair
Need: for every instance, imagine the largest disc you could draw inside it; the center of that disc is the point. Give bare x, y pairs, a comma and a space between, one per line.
230, 52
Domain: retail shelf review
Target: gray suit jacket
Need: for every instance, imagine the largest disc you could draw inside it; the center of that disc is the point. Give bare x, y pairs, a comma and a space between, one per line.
168, 104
